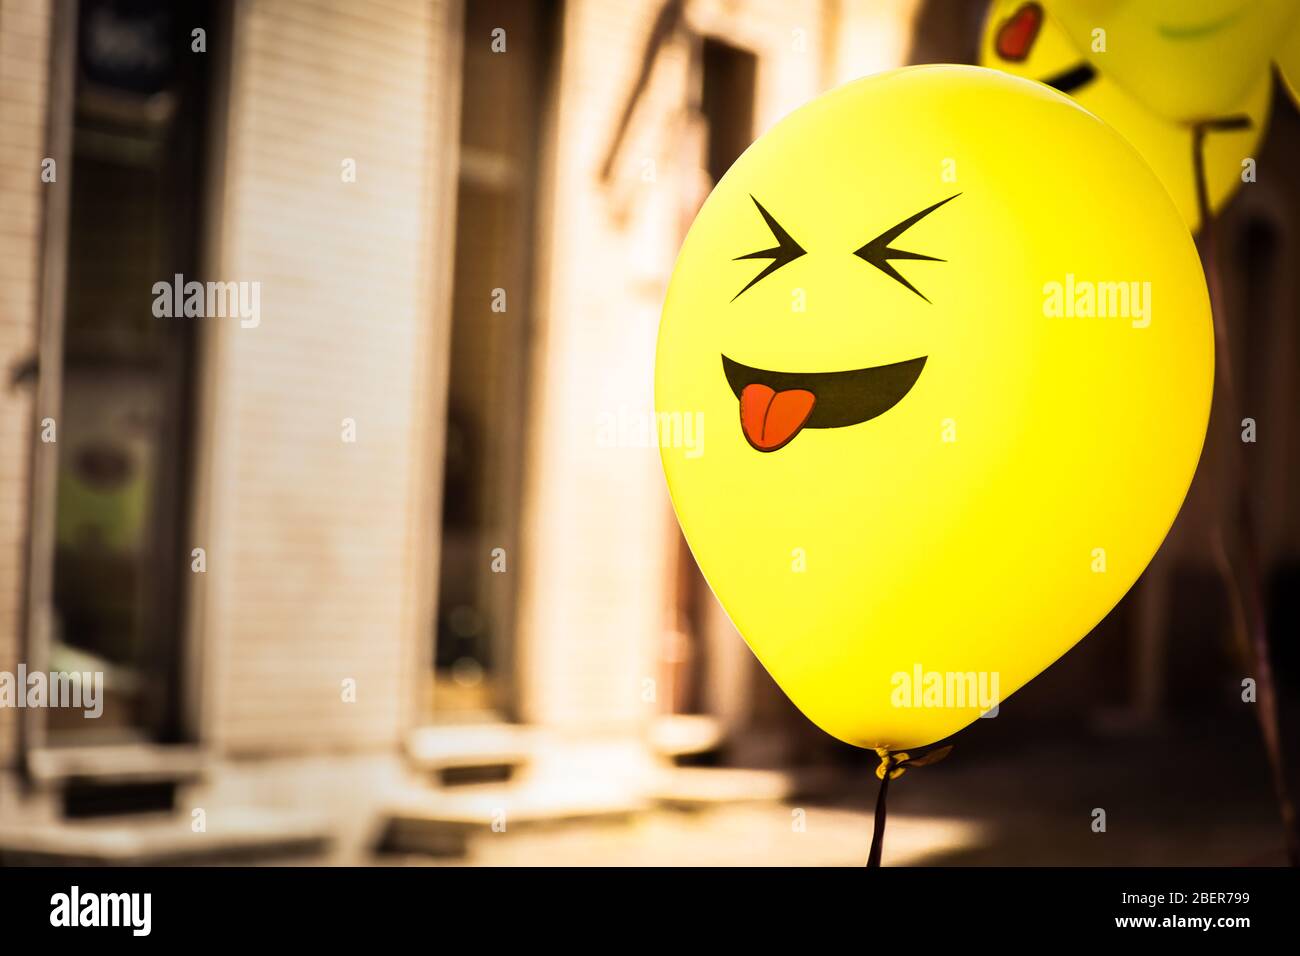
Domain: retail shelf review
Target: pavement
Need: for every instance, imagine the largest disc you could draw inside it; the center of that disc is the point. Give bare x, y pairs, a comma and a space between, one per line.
1066, 797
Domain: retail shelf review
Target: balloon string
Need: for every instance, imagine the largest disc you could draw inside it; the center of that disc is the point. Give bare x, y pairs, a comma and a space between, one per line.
885, 771
1243, 579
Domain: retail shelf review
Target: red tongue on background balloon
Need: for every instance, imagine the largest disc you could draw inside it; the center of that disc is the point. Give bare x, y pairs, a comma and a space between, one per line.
1016, 35
770, 418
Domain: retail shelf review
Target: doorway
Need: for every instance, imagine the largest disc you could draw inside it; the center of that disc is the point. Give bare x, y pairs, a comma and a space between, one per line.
509, 52
139, 109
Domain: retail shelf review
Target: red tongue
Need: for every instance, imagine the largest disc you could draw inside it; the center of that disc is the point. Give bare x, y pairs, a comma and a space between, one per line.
770, 418
1016, 35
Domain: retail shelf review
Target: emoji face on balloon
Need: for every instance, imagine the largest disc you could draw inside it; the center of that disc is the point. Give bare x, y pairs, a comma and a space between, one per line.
1023, 38
1184, 61
950, 341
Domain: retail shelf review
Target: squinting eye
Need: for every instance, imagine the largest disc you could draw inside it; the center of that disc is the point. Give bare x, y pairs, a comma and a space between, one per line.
878, 251
783, 253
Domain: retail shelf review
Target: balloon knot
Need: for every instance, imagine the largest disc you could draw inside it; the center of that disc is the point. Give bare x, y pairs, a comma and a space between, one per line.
891, 763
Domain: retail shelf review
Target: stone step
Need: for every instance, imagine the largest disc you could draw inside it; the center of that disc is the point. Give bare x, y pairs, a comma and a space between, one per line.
699, 787
442, 822
124, 764
685, 735
237, 835
469, 753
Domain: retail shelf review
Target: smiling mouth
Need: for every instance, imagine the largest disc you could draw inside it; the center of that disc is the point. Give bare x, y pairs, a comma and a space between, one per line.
1194, 31
776, 406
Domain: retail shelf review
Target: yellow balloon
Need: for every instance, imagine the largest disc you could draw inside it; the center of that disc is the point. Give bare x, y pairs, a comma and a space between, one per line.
1020, 38
951, 346
1184, 61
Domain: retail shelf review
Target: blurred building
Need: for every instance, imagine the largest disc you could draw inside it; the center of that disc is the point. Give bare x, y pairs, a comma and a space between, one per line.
392, 551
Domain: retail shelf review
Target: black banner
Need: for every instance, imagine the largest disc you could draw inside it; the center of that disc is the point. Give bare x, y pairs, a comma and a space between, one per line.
328, 906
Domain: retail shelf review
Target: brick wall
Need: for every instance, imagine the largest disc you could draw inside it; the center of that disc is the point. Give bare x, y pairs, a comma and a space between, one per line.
24, 52
312, 541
